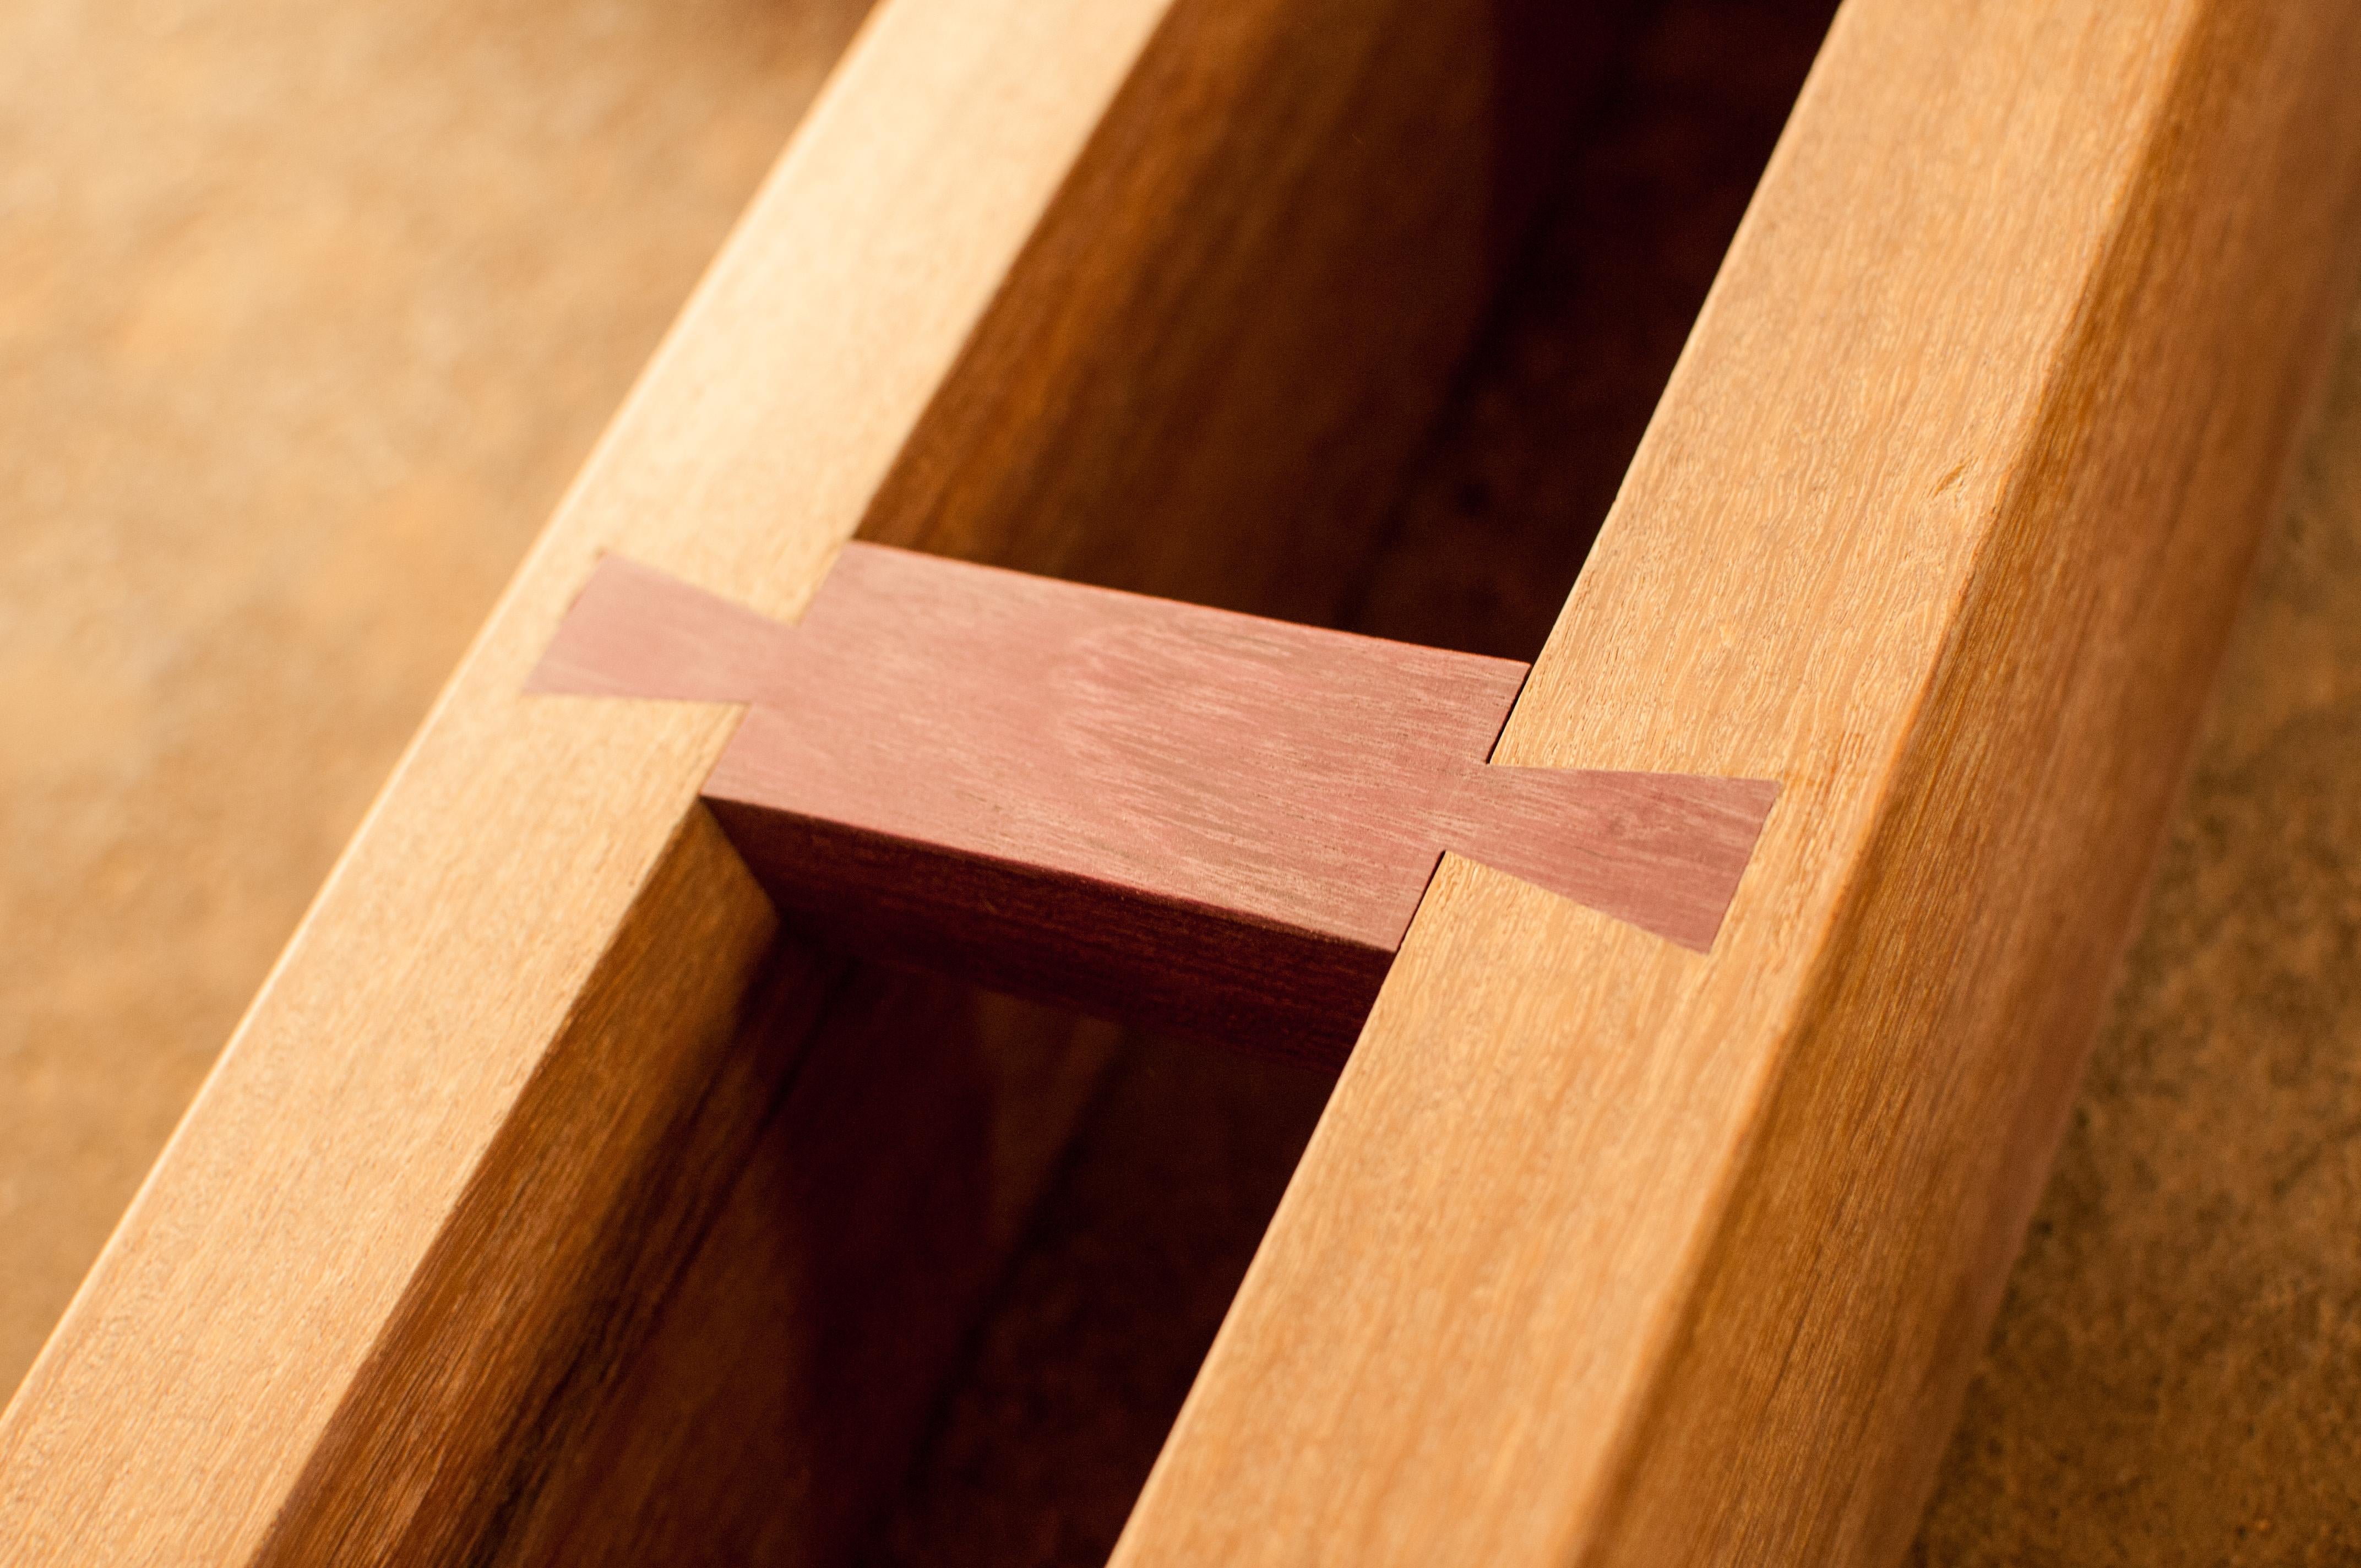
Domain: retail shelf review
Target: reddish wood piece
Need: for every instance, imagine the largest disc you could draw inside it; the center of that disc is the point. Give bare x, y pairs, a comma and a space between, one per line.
1165, 812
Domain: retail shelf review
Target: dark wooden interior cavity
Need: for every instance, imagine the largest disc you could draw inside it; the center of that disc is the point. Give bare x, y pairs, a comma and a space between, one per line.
1076, 1369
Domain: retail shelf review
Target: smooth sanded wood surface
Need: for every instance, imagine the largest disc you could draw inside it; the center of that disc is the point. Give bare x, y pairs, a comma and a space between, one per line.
1601, 1256
367, 1307
455, 951
1181, 816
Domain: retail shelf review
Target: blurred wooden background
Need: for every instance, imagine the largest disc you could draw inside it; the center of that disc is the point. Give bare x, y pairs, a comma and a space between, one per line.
307, 315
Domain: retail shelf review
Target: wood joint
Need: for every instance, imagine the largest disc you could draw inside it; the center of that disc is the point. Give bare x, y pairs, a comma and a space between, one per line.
1166, 813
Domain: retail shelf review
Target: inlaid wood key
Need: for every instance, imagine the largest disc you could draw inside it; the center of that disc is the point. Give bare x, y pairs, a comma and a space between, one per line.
1155, 811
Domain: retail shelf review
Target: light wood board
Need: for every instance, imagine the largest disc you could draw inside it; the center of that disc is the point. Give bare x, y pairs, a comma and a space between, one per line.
1602, 1254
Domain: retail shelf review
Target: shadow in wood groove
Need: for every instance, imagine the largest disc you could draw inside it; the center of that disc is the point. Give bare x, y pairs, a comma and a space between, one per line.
1078, 1370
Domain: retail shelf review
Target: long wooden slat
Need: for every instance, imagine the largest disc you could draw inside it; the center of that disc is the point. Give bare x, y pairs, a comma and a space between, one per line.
479, 914
383, 1298
1610, 1255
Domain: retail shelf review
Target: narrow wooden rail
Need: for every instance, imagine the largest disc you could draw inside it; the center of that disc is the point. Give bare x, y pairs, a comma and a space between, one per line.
1604, 1255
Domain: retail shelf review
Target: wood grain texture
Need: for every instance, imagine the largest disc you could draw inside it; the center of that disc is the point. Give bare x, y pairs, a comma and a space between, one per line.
1319, 195
1601, 1256
1181, 816
258, 1286
791, 1363
324, 1325
2174, 1378
288, 515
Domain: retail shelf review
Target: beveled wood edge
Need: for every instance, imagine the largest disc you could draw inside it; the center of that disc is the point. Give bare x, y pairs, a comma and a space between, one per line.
188, 1386
1601, 1256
